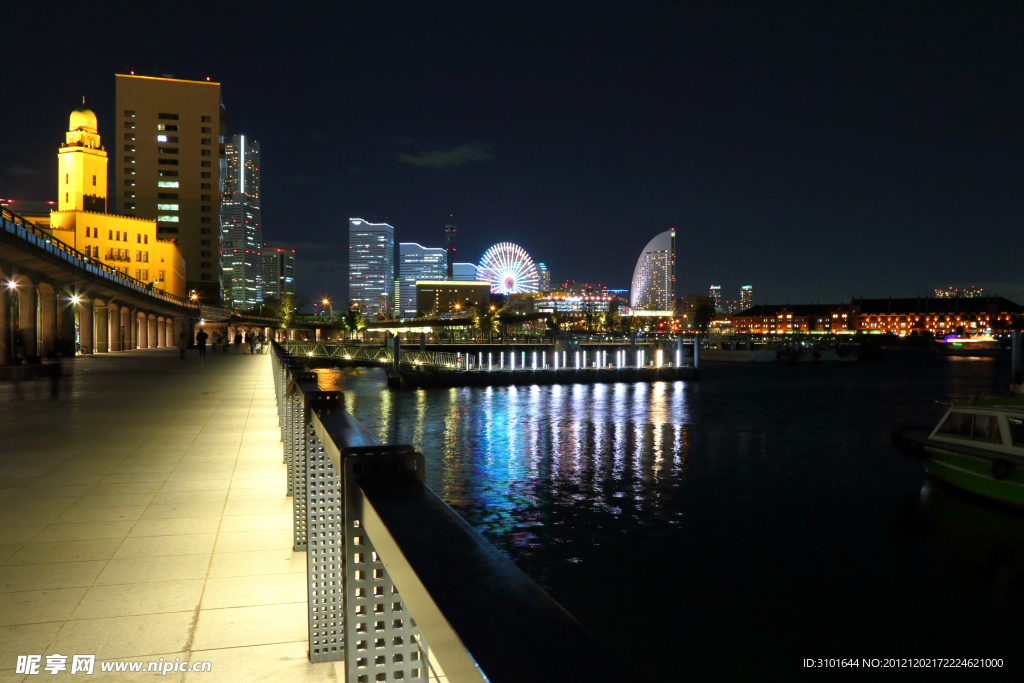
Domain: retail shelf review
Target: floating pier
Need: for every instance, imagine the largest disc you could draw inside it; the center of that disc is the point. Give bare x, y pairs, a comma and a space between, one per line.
426, 377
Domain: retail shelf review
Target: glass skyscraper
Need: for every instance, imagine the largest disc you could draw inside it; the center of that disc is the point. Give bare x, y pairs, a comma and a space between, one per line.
416, 262
371, 266
654, 279
278, 272
241, 229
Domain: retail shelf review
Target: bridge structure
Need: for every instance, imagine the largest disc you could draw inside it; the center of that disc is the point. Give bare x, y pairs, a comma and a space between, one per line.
58, 301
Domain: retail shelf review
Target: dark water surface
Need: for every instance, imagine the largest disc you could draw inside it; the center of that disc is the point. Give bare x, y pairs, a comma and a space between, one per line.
728, 528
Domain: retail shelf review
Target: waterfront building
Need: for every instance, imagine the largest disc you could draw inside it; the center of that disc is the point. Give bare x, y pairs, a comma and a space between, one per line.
746, 297
132, 245
685, 309
371, 266
451, 246
573, 305
463, 271
278, 272
715, 292
903, 316
168, 167
654, 279
416, 262
241, 228
583, 289
448, 298
543, 279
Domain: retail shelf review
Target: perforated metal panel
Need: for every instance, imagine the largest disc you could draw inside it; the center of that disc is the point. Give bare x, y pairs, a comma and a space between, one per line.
325, 550
382, 642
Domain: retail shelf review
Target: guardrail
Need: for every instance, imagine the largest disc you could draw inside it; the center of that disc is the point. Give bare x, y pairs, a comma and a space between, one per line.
371, 354
26, 230
399, 586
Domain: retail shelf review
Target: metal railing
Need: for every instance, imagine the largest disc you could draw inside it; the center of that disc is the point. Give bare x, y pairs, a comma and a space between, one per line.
372, 354
399, 586
30, 233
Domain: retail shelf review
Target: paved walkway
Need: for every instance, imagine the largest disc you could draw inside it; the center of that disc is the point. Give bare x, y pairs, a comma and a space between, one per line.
143, 515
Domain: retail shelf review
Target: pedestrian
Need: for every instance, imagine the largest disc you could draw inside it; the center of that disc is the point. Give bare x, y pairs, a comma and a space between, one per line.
252, 343
201, 342
263, 343
182, 344
238, 341
214, 341
225, 340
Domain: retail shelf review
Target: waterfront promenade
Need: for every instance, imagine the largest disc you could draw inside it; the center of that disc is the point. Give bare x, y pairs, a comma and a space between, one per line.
143, 515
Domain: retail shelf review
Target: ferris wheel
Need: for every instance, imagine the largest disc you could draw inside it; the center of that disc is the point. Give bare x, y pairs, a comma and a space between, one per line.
509, 269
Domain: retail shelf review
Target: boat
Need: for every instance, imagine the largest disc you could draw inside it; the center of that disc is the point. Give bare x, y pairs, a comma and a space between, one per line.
729, 350
973, 347
977, 447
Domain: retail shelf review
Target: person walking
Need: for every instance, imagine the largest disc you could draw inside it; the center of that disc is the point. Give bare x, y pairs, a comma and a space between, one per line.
252, 343
238, 341
182, 344
201, 342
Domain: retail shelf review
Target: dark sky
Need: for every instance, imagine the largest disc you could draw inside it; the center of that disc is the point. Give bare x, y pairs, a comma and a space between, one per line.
814, 150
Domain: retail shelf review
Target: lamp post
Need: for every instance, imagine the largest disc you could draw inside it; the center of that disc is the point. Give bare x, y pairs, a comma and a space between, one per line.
327, 303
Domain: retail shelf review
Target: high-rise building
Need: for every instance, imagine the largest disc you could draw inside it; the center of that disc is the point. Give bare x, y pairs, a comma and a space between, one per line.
278, 272
450, 239
746, 297
168, 162
462, 271
416, 262
241, 229
132, 245
544, 279
653, 287
715, 292
371, 266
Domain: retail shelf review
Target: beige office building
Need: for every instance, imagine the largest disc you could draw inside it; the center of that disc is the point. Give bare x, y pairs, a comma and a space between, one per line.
168, 167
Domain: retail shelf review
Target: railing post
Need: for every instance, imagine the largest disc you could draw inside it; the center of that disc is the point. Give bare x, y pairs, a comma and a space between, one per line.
306, 381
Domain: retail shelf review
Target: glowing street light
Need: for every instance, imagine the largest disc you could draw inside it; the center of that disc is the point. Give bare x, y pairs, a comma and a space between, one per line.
327, 302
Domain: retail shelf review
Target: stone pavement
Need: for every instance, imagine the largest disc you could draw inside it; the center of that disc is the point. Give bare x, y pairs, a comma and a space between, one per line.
143, 515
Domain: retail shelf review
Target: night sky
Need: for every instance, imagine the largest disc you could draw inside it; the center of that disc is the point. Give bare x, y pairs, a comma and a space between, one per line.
812, 151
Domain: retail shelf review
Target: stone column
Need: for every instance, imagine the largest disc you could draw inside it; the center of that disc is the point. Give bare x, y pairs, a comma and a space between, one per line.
48, 321
100, 327
114, 327
27, 317
65, 327
127, 330
133, 327
85, 337
143, 324
151, 333
161, 332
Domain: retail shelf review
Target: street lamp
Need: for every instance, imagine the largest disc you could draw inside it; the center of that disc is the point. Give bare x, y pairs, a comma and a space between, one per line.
326, 302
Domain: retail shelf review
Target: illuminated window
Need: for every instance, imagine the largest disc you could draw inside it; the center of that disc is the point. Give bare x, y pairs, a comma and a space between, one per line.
167, 174
129, 136
129, 183
129, 124
129, 160
129, 113
129, 148
166, 207
161, 138
167, 183
167, 219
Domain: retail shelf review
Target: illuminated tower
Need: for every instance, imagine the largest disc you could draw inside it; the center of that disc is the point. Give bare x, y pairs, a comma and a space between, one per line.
371, 266
654, 279
450, 235
416, 262
746, 297
83, 166
715, 292
241, 229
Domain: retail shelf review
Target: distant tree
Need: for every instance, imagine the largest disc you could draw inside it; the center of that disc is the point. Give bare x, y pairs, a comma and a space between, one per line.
589, 315
702, 315
612, 321
353, 320
286, 307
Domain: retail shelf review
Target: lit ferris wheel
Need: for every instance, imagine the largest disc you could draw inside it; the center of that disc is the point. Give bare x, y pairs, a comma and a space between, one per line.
509, 269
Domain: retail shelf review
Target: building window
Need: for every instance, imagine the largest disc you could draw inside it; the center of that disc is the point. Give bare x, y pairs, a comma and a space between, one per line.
167, 183
96, 252
94, 181
205, 219
167, 219
167, 117
204, 231
165, 229
205, 130
129, 124
170, 127
145, 239
205, 209
207, 119
167, 174
204, 253
66, 178
202, 197
206, 152
129, 206
117, 236
206, 164
167, 195
204, 264
167, 207
167, 162
129, 148
130, 183
129, 160
66, 200
130, 113
167, 150
205, 174
110, 234
204, 243
204, 141
160, 275
130, 137
204, 186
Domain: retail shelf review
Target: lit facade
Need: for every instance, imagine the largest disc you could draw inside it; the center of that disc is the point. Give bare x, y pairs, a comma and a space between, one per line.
132, 245
241, 226
746, 297
715, 292
278, 272
416, 262
543, 278
654, 279
168, 162
573, 304
448, 298
371, 266
463, 271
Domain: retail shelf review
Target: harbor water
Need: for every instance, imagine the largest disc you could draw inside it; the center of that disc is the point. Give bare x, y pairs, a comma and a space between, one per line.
732, 527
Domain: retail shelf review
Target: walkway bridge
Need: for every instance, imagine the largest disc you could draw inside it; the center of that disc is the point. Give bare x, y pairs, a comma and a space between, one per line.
371, 356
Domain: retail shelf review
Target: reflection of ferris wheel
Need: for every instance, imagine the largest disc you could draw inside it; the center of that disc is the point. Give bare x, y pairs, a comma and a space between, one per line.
509, 269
